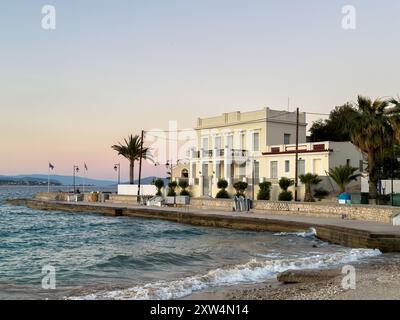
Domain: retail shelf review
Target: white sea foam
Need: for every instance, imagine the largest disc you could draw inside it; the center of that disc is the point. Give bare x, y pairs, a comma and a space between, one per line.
253, 271
305, 234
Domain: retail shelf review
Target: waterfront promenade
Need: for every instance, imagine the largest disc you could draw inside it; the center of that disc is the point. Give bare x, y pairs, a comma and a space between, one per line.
351, 233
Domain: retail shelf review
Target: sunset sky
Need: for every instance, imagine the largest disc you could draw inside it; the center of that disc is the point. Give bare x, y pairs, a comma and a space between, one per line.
112, 68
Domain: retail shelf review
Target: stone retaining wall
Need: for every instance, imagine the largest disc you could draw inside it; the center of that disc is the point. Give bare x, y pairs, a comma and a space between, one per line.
382, 214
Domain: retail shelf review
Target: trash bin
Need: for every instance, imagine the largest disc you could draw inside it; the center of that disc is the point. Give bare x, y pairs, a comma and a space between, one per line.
345, 198
396, 200
364, 198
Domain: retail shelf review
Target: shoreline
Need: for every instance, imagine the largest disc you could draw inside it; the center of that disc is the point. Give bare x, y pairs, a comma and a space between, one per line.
376, 278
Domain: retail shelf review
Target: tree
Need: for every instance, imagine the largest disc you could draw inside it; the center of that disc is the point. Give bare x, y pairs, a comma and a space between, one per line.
343, 175
171, 189
222, 194
373, 132
184, 184
159, 183
308, 180
337, 127
130, 149
264, 191
284, 184
240, 188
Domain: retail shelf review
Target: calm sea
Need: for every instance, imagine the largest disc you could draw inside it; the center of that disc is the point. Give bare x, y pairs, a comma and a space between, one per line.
97, 257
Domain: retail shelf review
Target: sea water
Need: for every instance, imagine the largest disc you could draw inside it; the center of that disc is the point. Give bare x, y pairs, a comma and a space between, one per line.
98, 257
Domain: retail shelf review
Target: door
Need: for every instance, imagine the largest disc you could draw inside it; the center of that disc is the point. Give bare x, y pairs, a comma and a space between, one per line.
206, 180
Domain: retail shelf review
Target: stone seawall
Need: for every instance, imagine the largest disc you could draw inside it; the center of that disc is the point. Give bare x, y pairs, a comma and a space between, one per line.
383, 214
347, 233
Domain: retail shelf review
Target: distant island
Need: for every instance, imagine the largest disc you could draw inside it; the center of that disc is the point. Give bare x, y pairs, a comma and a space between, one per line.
59, 180
27, 181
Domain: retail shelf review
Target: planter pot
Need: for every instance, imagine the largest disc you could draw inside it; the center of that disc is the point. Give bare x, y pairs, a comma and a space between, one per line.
169, 200
182, 200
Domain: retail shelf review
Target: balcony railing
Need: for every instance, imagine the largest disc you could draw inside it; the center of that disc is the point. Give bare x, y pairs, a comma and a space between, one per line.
235, 153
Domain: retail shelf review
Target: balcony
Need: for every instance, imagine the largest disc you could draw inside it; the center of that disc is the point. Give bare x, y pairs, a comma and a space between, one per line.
219, 153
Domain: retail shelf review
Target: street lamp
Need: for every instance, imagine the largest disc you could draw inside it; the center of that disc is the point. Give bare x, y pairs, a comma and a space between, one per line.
75, 169
117, 167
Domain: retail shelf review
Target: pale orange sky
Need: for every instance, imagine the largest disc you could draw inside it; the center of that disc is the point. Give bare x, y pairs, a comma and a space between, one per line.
69, 94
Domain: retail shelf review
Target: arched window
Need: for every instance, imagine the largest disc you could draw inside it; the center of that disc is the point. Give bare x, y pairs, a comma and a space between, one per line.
185, 173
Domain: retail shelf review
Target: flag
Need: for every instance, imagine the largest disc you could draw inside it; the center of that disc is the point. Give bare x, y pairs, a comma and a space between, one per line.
51, 167
86, 168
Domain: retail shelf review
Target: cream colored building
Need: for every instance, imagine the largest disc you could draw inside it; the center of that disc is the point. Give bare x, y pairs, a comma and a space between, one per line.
316, 158
231, 146
259, 146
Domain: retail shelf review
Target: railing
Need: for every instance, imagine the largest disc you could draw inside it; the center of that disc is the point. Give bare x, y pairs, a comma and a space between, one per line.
219, 153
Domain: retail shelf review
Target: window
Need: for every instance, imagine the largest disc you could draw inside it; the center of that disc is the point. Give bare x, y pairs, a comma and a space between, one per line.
348, 162
256, 141
194, 171
229, 142
274, 170
205, 143
243, 141
317, 166
256, 172
301, 167
286, 138
218, 143
287, 166
242, 170
218, 171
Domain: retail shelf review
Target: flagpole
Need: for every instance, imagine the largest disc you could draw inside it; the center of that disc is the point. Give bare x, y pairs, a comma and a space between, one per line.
84, 177
48, 178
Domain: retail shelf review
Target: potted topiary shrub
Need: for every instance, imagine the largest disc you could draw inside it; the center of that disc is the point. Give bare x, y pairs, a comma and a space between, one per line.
170, 199
222, 194
264, 191
159, 184
241, 188
184, 195
284, 184
184, 184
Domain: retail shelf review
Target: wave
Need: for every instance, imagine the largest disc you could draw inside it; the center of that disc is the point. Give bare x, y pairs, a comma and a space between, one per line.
312, 233
251, 272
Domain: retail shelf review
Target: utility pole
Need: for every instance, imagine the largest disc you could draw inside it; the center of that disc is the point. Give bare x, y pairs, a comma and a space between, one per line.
392, 169
140, 164
297, 156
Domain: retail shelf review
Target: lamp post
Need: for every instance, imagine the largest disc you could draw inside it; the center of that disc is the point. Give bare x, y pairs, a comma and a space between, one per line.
117, 167
75, 169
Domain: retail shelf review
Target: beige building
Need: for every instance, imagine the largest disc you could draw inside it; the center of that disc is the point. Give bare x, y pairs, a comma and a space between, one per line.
231, 146
259, 146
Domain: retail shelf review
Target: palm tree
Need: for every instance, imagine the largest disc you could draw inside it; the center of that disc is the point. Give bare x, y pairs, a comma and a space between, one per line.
343, 175
309, 179
395, 117
372, 132
130, 149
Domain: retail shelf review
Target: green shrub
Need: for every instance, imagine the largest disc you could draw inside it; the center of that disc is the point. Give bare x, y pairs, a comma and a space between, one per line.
184, 184
285, 183
185, 193
222, 184
159, 184
320, 193
264, 191
285, 196
222, 194
240, 188
171, 189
